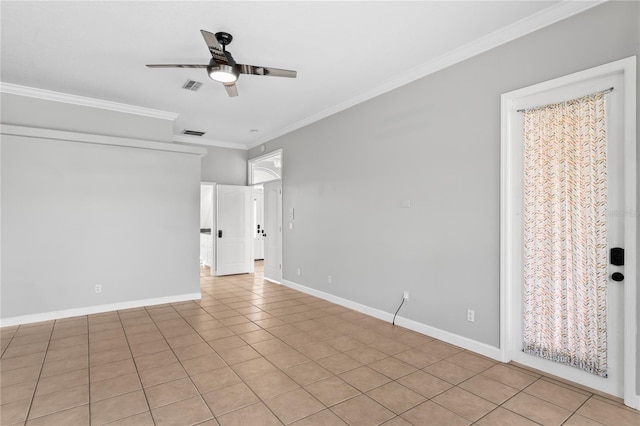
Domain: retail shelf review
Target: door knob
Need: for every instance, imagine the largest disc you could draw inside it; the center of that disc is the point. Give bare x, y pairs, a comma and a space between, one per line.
617, 276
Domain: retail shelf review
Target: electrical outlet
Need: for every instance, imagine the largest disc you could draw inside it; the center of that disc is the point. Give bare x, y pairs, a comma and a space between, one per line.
471, 315
98, 288
299, 271
329, 279
405, 296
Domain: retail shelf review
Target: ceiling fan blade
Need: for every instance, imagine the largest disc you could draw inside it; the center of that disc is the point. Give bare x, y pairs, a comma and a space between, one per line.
217, 52
268, 71
232, 89
176, 66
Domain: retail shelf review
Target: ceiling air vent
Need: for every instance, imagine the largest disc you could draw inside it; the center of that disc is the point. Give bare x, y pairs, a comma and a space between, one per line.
192, 85
192, 133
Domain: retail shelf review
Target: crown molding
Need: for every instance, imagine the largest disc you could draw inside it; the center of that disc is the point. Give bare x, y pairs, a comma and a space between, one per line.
63, 135
49, 95
544, 18
199, 140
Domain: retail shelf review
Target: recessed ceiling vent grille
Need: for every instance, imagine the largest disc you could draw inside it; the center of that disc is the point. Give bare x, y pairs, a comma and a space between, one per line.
192, 85
192, 133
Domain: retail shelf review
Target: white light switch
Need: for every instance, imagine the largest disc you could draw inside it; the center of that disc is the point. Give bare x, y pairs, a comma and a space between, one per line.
291, 225
405, 204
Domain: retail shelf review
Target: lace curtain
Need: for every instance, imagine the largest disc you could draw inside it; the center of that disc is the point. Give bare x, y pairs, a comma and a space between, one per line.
565, 233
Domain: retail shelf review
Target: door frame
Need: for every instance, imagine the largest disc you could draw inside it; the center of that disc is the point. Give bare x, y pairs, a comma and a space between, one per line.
280, 239
508, 216
254, 214
214, 219
250, 181
252, 161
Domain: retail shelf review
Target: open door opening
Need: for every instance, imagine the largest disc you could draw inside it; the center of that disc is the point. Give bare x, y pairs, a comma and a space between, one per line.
265, 174
257, 199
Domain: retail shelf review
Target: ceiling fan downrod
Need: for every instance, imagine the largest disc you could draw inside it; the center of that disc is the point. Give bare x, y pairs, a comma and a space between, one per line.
224, 39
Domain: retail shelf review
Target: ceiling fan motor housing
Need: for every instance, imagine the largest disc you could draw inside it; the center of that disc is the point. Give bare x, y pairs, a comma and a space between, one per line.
224, 38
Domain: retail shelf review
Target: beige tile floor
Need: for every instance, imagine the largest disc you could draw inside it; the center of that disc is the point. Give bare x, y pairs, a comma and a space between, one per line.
255, 353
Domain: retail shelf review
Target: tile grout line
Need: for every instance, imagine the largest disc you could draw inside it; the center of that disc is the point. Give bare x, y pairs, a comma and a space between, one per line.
581, 405
551, 402
89, 366
137, 372
180, 361
10, 340
33, 397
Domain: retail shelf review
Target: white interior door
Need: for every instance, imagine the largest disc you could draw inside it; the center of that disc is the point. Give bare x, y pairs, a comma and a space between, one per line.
233, 236
273, 231
614, 383
258, 222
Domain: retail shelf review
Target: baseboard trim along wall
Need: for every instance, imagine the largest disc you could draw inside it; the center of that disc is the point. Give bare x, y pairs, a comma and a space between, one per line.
445, 336
67, 313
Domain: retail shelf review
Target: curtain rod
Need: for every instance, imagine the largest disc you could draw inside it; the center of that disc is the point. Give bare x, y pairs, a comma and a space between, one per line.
609, 90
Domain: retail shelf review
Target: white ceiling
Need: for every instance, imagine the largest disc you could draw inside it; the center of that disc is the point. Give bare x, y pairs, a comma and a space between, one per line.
344, 52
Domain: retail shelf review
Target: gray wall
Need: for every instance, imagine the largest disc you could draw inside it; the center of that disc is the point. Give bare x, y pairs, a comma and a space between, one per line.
435, 141
32, 112
77, 214
226, 166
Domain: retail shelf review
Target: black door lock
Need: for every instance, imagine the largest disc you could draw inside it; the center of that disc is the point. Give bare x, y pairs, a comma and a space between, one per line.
617, 256
220, 233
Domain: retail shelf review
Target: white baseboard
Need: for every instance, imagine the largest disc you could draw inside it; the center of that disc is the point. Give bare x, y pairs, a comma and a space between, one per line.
445, 336
66, 313
455, 339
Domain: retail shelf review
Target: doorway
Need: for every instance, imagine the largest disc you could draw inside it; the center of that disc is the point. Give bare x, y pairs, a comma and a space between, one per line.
620, 379
265, 176
257, 197
225, 229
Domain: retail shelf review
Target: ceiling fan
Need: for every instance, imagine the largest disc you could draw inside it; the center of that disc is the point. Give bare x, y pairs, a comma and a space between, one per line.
223, 68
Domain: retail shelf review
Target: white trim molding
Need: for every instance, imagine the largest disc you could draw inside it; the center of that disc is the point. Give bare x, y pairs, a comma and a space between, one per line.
199, 140
445, 336
544, 18
252, 161
509, 222
38, 133
89, 310
50, 95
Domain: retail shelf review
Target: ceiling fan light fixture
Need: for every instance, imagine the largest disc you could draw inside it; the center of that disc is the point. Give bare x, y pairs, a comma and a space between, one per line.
223, 73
